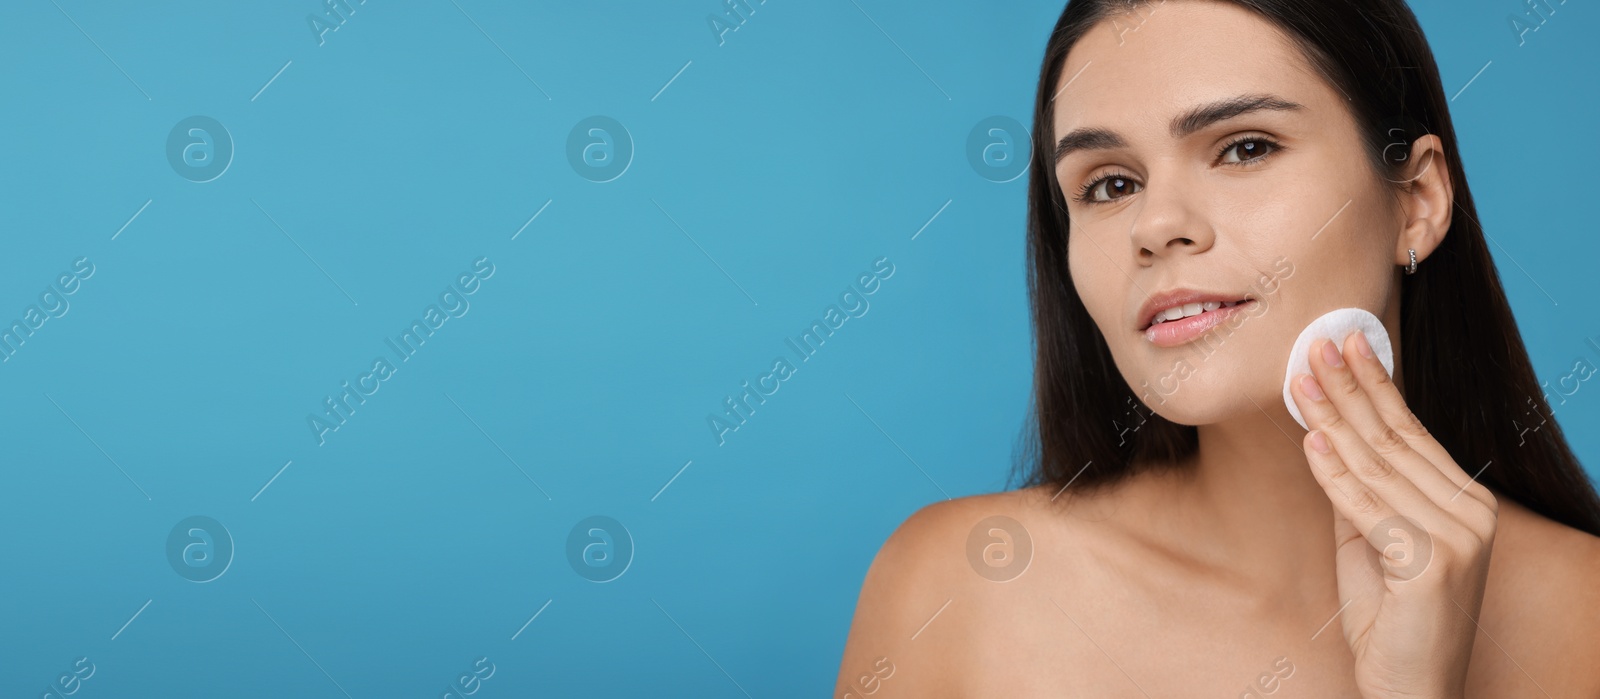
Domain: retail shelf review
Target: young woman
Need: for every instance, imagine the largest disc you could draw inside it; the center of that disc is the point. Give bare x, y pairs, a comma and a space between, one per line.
1178, 533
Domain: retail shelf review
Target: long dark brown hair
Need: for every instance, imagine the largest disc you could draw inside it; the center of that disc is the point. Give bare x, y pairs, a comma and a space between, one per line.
1466, 371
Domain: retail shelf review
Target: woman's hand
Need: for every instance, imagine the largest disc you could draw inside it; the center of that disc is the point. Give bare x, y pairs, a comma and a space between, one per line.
1412, 531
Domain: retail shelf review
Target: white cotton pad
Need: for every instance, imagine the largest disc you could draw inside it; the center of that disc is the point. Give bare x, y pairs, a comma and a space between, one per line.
1335, 325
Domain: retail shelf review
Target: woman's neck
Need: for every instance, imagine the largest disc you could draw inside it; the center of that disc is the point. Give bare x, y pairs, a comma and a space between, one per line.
1248, 503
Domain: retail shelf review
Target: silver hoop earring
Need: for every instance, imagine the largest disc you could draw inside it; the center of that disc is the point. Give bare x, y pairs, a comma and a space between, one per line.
1412, 268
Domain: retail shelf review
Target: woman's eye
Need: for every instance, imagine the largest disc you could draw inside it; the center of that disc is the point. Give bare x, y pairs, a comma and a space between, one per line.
1247, 150
1113, 187
1108, 189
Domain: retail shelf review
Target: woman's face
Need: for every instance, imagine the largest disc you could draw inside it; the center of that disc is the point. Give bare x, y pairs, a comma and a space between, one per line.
1206, 154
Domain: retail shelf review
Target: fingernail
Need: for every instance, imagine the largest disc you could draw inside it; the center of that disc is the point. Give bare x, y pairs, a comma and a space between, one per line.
1319, 442
1330, 354
1362, 346
1310, 387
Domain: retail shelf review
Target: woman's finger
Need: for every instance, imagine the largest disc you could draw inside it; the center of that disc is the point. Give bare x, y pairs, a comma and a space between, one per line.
1357, 461
1354, 417
1351, 497
1392, 410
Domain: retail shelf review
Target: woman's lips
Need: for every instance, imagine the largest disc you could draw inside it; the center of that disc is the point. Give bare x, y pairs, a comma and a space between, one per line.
1176, 332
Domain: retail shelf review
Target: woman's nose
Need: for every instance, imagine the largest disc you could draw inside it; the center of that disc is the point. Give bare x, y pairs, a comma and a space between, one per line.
1168, 222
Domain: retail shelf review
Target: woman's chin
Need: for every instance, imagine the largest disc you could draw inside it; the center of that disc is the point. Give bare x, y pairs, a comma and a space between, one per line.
1197, 402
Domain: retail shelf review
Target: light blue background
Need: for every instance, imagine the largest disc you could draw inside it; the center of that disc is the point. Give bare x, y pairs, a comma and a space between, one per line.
817, 138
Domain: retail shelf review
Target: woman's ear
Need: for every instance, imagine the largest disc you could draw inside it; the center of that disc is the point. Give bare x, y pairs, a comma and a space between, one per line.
1427, 200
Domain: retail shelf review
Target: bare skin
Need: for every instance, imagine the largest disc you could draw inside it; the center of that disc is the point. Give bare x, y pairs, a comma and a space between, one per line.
1225, 577
1109, 607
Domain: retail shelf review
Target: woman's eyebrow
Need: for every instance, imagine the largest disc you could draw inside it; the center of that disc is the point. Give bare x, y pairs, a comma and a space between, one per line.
1093, 138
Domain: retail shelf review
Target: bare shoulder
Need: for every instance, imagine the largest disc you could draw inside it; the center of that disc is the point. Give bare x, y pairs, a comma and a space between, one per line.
905, 636
1541, 608
932, 541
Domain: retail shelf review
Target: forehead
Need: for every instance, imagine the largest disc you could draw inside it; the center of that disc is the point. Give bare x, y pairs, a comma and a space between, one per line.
1143, 67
